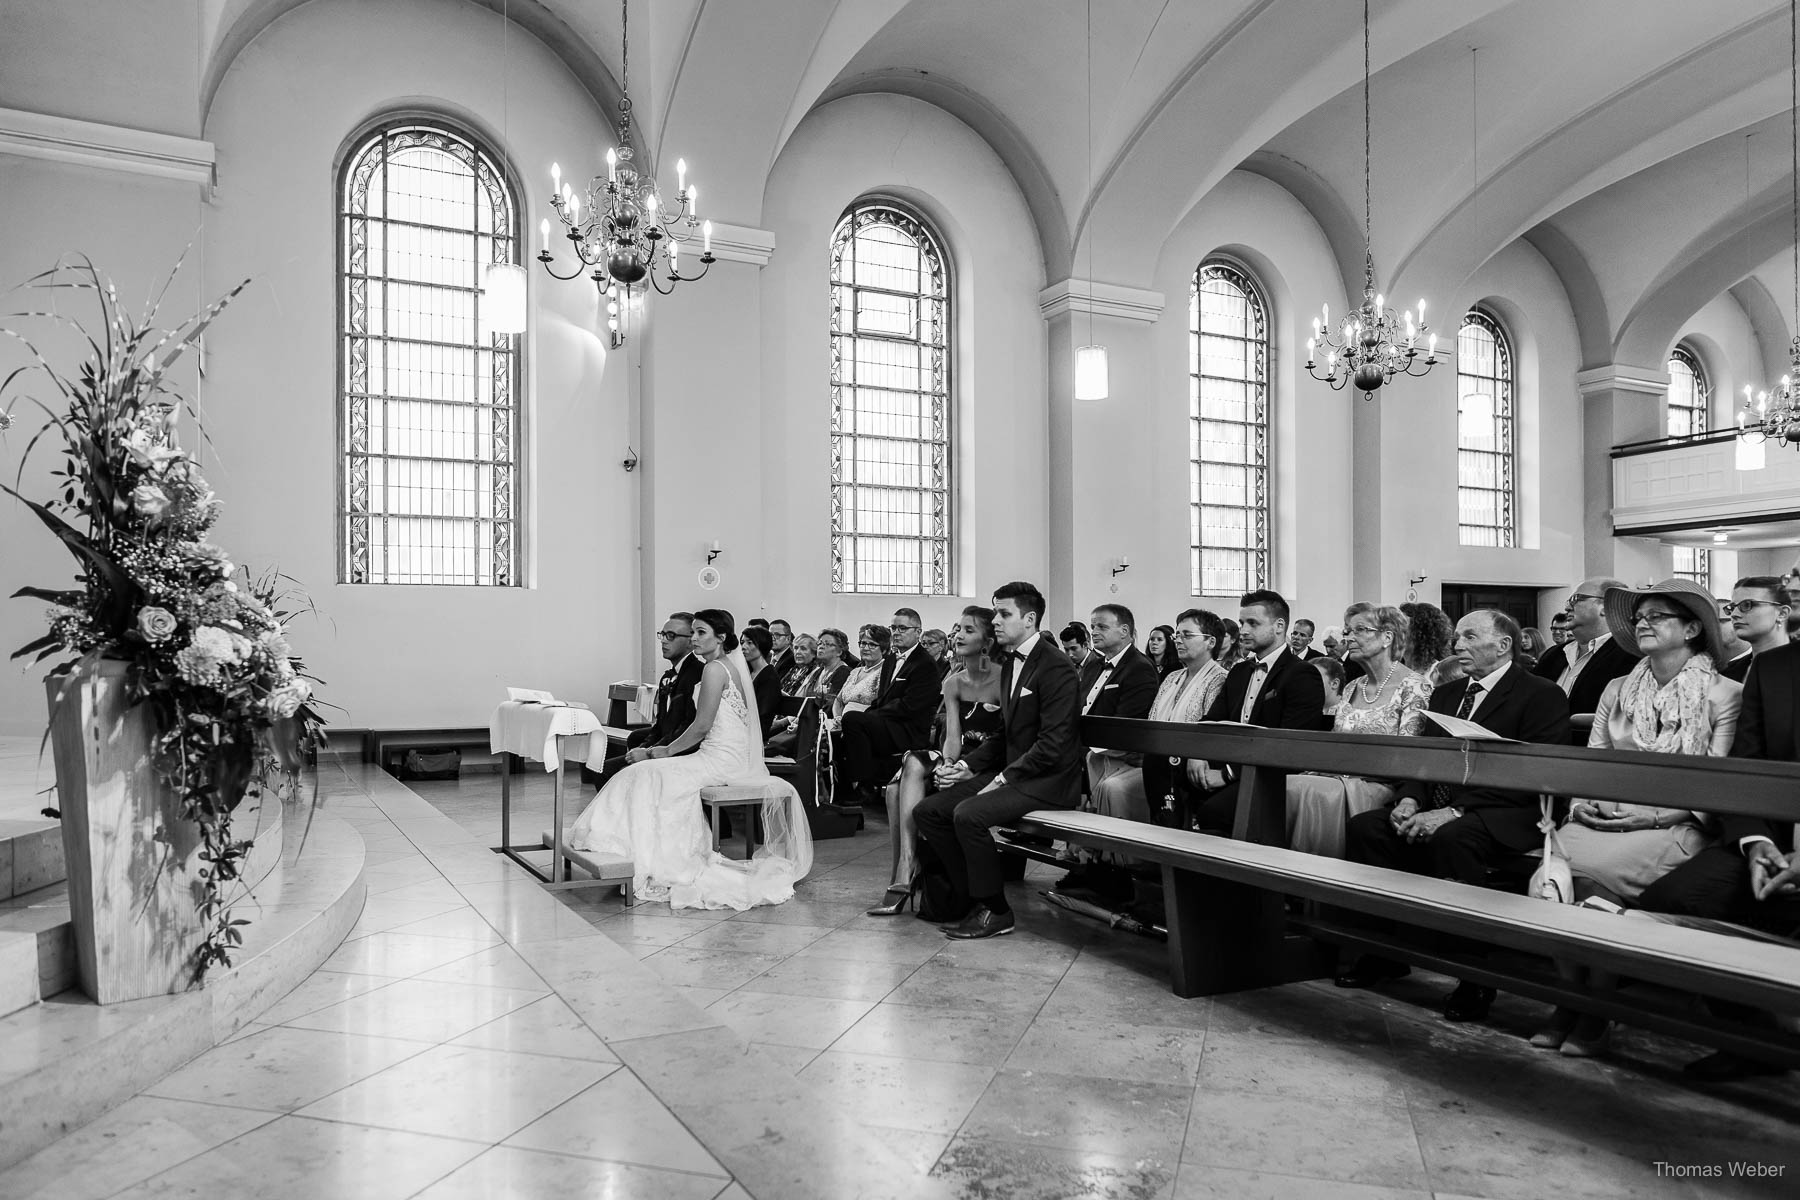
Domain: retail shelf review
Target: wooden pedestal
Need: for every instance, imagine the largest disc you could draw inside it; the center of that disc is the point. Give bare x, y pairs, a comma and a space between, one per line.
133, 885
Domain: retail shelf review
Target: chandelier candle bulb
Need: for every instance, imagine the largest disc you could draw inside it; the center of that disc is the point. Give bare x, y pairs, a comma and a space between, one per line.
691, 197
681, 175
612, 165
706, 238
555, 177
544, 234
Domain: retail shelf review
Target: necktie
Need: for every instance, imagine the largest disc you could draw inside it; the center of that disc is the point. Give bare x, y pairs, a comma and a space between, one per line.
1440, 792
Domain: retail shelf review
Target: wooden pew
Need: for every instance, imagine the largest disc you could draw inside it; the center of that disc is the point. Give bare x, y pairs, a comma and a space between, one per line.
1229, 927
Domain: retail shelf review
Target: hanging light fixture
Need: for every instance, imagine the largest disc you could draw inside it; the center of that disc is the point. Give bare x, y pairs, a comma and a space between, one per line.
503, 283
1374, 343
620, 225
1775, 415
1091, 381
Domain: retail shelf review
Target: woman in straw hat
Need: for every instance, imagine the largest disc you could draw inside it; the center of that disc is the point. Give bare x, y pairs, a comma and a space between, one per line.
1674, 701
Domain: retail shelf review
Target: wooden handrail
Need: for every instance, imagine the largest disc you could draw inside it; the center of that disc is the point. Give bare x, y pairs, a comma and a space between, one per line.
1737, 786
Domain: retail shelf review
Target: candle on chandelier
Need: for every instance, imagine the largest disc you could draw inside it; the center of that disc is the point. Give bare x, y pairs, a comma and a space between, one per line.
674, 255
575, 207
1326, 310
1309, 351
612, 164
544, 234
693, 199
1380, 303
555, 177
680, 175
650, 203
1433, 354
706, 237
1421, 312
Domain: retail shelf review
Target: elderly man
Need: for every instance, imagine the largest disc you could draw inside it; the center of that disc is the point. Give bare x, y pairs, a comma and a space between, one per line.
1457, 832
1589, 660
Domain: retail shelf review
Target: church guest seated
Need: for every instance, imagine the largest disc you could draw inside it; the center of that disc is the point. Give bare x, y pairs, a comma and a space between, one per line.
1758, 612
1300, 639
1559, 629
1035, 763
1267, 687
1232, 651
937, 646
899, 718
1429, 634
1456, 832
970, 715
1532, 644
1159, 647
863, 684
830, 666
1077, 644
756, 644
781, 655
1332, 641
803, 655
1589, 660
1387, 699
1331, 671
674, 710
1674, 701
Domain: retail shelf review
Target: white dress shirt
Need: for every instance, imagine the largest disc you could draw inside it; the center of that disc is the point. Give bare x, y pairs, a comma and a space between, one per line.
1258, 677
1024, 652
1100, 681
1486, 682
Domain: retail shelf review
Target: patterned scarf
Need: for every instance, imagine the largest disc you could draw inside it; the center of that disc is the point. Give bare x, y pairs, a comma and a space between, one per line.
1672, 718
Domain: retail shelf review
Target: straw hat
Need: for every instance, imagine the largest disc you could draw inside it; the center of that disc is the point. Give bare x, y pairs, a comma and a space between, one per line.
1682, 594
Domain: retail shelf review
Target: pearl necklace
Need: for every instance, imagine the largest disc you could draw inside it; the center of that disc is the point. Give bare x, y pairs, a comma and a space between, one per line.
1363, 684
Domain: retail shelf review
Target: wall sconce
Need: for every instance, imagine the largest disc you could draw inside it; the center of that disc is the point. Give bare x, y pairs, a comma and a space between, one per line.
713, 551
1412, 584
1120, 564
630, 461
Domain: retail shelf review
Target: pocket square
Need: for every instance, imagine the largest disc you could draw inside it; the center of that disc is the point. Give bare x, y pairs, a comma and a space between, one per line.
1109, 687
1024, 692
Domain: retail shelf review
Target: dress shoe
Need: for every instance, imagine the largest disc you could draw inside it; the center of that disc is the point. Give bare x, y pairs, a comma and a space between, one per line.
1589, 1039
1469, 1002
1725, 1067
1370, 970
984, 922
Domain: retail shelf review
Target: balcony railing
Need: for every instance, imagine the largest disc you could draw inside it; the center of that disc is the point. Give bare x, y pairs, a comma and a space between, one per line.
1700, 480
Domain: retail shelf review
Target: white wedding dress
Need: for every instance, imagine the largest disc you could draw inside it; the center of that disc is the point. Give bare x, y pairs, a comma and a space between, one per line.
651, 813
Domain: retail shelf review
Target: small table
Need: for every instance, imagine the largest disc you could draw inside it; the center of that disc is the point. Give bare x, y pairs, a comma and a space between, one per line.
548, 735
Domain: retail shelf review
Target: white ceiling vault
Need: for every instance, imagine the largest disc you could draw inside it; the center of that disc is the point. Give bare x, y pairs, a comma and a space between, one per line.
1611, 133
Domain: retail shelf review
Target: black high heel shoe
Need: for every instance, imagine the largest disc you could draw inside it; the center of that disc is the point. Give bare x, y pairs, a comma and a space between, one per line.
897, 907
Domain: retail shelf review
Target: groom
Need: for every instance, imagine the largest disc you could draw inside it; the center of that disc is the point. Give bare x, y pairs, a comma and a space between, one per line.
1037, 764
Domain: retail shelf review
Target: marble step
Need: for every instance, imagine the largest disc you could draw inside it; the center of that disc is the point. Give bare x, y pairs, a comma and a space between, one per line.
66, 1060
42, 916
31, 855
18, 972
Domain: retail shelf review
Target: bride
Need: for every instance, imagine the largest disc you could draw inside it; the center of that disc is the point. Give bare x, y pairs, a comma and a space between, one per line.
650, 812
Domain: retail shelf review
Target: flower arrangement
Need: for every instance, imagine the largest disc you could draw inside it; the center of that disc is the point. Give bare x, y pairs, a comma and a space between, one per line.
205, 644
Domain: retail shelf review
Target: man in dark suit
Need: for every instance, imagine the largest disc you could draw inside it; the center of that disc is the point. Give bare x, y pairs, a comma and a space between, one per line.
1457, 832
1753, 874
1300, 639
900, 718
674, 697
1269, 687
1077, 645
1589, 660
1037, 764
781, 646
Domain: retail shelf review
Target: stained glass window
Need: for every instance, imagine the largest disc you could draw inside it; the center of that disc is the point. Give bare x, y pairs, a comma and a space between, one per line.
1688, 394
1486, 496
429, 421
1228, 432
891, 515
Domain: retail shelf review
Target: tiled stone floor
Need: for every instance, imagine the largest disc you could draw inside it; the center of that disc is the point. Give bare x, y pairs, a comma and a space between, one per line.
477, 1037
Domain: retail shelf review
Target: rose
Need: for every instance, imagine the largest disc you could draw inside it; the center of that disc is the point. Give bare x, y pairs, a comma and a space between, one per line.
156, 624
286, 700
149, 500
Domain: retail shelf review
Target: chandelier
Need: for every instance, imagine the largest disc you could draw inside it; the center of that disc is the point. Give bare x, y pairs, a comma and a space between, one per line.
1775, 415
619, 226
1374, 343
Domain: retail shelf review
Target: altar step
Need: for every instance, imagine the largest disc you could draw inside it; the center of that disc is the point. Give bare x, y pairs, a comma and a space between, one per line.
31, 856
37, 947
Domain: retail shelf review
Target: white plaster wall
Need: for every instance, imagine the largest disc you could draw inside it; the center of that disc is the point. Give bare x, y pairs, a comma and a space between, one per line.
897, 146
1729, 349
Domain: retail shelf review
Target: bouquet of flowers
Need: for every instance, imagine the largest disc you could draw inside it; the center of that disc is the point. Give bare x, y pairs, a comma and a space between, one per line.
205, 644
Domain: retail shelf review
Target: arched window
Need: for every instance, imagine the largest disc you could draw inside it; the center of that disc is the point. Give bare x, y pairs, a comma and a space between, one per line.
1694, 565
891, 523
429, 421
1228, 431
1688, 393
1485, 441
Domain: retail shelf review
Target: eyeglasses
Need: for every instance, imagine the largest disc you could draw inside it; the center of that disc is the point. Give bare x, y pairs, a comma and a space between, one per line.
1574, 596
1363, 630
1657, 618
666, 636
903, 628
1744, 606
867, 642
1182, 635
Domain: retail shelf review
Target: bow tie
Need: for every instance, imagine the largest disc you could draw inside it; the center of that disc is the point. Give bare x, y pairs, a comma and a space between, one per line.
1020, 655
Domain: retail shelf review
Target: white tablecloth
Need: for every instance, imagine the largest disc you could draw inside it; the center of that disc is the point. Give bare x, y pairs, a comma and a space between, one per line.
531, 730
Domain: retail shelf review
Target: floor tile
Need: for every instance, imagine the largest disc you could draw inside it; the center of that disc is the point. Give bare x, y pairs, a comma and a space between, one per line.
1074, 1112
833, 978
1506, 1160
809, 1021
547, 1026
398, 955
283, 1069
1197, 1181
897, 1092
1322, 1139
870, 946
1145, 1053
646, 928
792, 1059
709, 968
1124, 996
462, 922
1356, 1072
419, 1009
936, 1034
618, 1119
974, 989
296, 1158
497, 966
756, 938
916, 1147
140, 1138
319, 990
461, 1092
1026, 953
510, 1171
981, 1169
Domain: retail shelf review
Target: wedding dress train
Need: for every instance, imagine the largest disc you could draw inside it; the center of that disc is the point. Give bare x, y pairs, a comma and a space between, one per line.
650, 812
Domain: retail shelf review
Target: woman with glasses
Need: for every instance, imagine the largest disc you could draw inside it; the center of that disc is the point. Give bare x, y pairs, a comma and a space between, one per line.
1171, 784
1386, 698
970, 715
829, 668
864, 681
1674, 701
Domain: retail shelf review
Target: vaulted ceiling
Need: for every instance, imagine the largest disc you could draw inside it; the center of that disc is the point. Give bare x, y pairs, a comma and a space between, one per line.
1611, 134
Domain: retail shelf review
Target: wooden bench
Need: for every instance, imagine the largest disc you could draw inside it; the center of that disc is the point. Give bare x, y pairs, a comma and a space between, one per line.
1230, 928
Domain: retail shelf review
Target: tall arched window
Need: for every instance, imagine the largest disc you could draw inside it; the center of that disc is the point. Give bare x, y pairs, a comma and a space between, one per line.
1688, 392
429, 422
891, 515
1486, 492
1228, 431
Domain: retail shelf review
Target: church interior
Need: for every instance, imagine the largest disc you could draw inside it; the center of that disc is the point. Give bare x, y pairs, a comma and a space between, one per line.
962, 292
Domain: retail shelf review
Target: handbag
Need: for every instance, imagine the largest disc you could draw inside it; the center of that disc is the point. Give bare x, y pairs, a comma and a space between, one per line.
1553, 880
